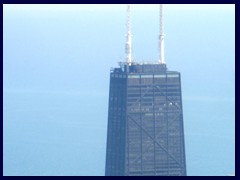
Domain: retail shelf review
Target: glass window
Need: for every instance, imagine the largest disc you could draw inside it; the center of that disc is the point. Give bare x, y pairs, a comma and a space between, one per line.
146, 76
160, 75
133, 76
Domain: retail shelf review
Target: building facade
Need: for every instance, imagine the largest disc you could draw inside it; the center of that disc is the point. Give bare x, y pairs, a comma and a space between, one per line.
145, 122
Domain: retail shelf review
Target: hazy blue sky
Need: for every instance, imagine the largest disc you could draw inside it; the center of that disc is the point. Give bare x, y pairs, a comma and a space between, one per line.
56, 65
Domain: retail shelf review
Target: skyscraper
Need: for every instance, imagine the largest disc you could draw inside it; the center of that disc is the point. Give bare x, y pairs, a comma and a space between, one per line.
145, 117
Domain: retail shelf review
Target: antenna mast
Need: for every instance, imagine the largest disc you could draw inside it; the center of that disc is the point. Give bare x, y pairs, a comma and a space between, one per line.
129, 38
161, 37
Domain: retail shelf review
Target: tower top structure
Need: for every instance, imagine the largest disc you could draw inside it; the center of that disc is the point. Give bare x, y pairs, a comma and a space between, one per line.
128, 48
161, 37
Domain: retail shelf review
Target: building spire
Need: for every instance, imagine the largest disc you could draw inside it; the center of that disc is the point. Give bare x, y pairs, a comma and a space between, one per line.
161, 37
128, 47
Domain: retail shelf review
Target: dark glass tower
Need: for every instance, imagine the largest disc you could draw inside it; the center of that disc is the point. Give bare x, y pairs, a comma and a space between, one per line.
145, 122
145, 118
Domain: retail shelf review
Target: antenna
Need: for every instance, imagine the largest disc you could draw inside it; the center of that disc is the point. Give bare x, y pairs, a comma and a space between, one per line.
129, 38
161, 37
